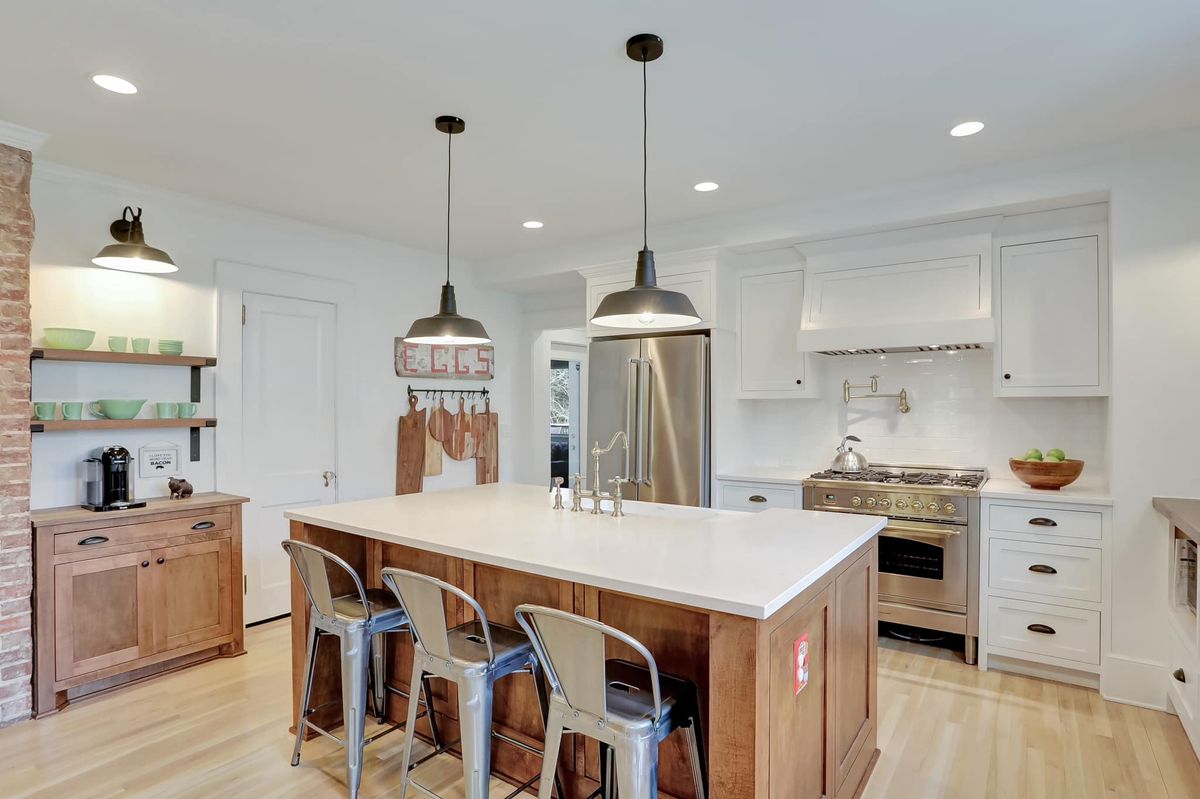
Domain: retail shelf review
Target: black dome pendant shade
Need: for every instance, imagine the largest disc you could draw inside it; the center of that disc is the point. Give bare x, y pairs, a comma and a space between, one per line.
645, 306
447, 327
132, 253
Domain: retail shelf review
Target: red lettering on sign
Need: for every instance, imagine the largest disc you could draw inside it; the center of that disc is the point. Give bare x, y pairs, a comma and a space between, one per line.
444, 369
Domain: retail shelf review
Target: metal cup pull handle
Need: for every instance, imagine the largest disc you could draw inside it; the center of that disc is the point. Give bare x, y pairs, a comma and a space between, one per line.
92, 540
1044, 629
1179, 675
1042, 521
757, 498
1042, 568
203, 525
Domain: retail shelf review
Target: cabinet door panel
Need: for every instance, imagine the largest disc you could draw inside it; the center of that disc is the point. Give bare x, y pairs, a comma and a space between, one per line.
193, 592
103, 613
854, 688
798, 732
1050, 314
769, 308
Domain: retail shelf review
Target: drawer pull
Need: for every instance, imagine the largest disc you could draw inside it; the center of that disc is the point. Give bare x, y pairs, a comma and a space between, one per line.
203, 525
1042, 521
757, 498
1179, 675
1042, 568
92, 540
1044, 629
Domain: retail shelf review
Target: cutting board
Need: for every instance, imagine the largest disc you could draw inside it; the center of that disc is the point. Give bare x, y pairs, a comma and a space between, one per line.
440, 421
487, 466
433, 451
460, 445
479, 428
410, 450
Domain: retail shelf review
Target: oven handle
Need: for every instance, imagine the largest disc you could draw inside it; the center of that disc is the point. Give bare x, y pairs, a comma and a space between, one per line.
943, 532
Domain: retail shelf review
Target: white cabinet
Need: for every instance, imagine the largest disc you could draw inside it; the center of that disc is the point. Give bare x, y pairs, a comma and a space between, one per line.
693, 273
1053, 317
769, 302
757, 496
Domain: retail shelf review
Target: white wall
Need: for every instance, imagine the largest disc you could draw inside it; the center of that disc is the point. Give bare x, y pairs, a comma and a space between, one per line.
391, 286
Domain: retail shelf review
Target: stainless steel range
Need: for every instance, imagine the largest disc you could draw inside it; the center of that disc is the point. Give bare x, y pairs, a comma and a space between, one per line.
929, 551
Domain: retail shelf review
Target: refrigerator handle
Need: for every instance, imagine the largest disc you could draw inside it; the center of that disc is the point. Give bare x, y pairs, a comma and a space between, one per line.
632, 374
646, 423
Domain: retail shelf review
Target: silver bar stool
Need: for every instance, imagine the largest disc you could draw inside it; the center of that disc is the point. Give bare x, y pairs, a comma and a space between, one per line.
628, 708
359, 620
474, 656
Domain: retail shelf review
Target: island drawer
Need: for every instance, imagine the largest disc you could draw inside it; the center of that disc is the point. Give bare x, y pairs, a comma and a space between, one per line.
1035, 567
1047, 630
215, 520
759, 496
1045, 520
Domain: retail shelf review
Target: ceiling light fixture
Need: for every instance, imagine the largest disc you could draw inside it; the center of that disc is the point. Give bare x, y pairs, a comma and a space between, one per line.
645, 305
114, 84
532, 224
132, 254
706, 185
966, 129
446, 326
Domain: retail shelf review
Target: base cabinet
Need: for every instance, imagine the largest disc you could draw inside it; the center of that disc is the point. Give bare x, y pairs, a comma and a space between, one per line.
127, 594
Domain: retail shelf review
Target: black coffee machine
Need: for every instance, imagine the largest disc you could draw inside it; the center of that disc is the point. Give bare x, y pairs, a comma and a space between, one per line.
108, 480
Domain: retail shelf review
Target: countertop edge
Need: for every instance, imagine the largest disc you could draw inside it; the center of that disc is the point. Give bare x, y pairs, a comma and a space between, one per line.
1005, 490
1170, 508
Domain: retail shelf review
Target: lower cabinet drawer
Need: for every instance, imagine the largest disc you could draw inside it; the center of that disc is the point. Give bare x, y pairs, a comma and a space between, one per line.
1183, 680
1042, 520
216, 519
1049, 630
1046, 569
750, 496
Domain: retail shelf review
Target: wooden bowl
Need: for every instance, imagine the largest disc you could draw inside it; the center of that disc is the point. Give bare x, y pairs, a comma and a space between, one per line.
1047, 475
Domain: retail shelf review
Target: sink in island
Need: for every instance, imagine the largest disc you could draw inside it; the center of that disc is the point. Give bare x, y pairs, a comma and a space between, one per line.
728, 600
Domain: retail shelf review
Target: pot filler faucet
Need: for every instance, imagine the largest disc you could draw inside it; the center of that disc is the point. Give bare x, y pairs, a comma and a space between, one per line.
596, 495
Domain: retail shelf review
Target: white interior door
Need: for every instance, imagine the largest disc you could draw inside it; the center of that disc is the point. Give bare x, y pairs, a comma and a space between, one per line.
289, 423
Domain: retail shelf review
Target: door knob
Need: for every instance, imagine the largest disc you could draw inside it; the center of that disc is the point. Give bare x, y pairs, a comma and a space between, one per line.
328, 475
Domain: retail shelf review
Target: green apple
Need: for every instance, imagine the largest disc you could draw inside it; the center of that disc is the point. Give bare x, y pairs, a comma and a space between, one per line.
1051, 459
1057, 454
1033, 455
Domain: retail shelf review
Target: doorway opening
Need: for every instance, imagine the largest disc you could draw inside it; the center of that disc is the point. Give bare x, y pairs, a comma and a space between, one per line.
558, 405
566, 417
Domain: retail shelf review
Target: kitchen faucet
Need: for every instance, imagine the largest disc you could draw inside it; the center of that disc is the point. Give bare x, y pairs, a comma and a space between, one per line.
596, 495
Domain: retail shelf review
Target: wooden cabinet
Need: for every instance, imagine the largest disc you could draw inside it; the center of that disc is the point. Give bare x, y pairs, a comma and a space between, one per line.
770, 366
1052, 318
854, 701
123, 595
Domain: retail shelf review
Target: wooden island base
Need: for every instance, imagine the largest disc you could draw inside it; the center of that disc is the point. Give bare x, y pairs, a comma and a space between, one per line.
765, 737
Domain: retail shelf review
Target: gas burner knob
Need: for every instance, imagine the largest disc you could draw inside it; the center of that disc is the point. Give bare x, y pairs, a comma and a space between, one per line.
870, 502
933, 507
856, 501
901, 504
949, 507
917, 505
885, 503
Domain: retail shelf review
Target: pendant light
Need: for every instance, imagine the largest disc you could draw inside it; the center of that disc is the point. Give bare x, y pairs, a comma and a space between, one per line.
132, 254
447, 327
645, 306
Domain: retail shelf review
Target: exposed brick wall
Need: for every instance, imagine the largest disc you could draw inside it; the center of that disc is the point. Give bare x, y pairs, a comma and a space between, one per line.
16, 572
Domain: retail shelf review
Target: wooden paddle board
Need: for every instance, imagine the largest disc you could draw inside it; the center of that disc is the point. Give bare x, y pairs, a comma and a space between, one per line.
410, 450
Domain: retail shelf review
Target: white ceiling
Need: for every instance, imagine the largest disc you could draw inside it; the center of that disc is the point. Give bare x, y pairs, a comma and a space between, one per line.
324, 111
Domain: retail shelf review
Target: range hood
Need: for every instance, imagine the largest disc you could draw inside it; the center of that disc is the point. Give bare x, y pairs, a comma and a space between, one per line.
923, 336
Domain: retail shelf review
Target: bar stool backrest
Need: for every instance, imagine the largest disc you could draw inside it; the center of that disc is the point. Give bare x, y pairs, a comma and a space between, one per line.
424, 600
571, 650
319, 569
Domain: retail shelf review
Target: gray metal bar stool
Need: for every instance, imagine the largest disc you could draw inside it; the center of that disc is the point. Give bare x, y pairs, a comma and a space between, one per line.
628, 708
359, 620
474, 656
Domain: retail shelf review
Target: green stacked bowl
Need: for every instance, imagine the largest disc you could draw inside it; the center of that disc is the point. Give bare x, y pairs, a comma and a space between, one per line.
170, 346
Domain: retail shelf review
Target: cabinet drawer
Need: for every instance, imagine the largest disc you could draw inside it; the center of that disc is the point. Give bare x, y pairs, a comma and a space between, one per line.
1045, 521
216, 519
755, 497
1059, 632
1185, 693
1046, 569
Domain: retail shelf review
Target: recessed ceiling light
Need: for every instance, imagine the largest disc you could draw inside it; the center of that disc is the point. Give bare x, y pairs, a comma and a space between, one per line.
114, 84
966, 129
532, 224
706, 185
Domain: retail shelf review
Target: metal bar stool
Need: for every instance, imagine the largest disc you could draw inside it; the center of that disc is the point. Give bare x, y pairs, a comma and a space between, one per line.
474, 656
359, 620
628, 708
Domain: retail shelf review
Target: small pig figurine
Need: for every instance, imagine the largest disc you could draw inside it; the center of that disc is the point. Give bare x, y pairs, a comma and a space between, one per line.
180, 488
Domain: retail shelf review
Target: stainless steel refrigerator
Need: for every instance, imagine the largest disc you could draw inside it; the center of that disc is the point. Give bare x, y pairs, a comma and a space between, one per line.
656, 390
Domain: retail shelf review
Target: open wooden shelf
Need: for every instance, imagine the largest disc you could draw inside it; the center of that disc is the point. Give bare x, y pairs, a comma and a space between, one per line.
102, 356
36, 426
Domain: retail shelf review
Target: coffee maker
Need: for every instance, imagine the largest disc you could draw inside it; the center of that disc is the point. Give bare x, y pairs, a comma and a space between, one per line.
108, 480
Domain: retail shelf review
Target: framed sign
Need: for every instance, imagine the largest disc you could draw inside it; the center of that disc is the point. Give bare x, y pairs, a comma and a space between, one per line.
447, 361
158, 460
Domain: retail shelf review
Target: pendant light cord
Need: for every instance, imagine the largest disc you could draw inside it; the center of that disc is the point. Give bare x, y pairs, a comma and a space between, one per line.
449, 162
645, 156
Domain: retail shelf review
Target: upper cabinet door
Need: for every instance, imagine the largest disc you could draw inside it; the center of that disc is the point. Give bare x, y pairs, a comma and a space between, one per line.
1053, 318
769, 308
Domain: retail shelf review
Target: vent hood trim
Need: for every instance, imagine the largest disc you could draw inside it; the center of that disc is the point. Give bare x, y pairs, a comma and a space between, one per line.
932, 336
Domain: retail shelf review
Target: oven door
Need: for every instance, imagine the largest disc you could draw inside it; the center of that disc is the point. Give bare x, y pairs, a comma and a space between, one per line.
924, 564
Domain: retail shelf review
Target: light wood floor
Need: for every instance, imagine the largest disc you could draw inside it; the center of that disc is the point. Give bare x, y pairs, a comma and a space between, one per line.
946, 730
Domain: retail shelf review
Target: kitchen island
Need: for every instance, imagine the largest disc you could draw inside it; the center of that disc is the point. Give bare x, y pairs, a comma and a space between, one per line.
729, 600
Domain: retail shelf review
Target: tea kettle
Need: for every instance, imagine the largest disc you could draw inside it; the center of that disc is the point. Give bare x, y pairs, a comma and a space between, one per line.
847, 460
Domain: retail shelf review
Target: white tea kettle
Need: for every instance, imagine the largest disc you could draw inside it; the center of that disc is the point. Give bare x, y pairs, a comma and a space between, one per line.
847, 460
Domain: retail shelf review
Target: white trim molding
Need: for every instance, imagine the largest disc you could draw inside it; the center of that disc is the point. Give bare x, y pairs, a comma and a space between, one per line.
21, 137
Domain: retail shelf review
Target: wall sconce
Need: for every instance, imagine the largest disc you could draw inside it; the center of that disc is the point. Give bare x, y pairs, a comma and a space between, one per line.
131, 253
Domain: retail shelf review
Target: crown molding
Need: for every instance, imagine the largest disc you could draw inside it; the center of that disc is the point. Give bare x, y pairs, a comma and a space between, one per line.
21, 137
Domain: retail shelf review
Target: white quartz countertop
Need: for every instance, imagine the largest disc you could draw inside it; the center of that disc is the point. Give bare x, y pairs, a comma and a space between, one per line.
1078, 494
763, 474
746, 564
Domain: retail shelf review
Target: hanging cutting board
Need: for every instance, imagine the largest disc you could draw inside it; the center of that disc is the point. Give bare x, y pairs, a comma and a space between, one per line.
487, 467
433, 451
479, 428
410, 450
441, 421
461, 443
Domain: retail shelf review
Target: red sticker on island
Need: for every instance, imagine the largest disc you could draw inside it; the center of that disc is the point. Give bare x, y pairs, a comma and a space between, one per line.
800, 662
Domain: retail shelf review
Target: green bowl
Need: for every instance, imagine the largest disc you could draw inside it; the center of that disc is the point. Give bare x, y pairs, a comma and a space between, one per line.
116, 408
68, 338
